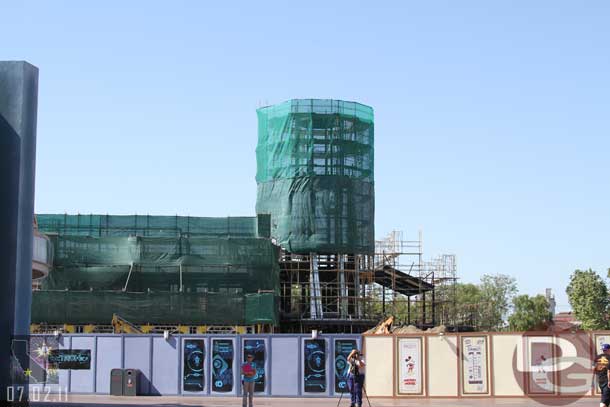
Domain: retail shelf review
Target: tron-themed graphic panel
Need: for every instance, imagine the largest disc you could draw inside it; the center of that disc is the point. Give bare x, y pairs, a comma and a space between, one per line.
222, 365
314, 366
194, 358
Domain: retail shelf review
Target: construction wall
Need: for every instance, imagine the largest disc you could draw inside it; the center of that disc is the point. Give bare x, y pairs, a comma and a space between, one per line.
288, 365
532, 365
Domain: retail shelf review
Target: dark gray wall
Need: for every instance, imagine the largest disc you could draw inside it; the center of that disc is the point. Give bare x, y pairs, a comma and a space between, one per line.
18, 111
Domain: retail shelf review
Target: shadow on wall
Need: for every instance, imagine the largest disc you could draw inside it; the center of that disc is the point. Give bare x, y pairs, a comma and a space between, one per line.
147, 386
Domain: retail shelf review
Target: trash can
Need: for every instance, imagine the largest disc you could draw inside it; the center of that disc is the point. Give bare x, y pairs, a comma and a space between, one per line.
116, 382
131, 382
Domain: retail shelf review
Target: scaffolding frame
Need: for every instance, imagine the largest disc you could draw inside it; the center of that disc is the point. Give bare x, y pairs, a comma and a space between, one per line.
419, 292
352, 292
319, 291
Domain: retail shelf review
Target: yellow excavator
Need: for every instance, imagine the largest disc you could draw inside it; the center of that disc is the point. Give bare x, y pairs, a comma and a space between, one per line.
122, 326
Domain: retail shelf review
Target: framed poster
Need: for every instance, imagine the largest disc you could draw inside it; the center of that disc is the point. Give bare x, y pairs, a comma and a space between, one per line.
194, 358
222, 365
410, 370
257, 347
540, 352
314, 366
475, 365
70, 358
598, 341
343, 347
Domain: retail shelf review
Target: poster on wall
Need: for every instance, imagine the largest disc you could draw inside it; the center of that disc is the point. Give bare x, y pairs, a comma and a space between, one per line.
343, 347
540, 355
70, 358
257, 348
194, 357
314, 366
474, 365
599, 340
222, 365
409, 366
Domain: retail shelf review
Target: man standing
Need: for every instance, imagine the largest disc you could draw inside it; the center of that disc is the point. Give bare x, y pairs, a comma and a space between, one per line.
603, 374
249, 376
355, 378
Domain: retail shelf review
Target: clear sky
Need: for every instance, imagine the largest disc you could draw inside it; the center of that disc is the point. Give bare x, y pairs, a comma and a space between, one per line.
492, 118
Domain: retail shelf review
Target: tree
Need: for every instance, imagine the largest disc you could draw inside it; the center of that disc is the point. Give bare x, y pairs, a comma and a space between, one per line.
588, 296
497, 292
529, 313
458, 304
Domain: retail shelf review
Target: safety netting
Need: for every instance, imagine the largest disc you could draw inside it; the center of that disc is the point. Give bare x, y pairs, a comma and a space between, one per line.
315, 175
148, 269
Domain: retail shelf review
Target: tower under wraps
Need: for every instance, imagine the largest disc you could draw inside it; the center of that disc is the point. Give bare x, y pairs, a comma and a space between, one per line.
315, 175
315, 179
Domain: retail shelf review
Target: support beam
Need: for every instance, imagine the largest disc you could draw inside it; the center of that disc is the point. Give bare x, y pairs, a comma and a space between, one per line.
315, 293
128, 276
343, 292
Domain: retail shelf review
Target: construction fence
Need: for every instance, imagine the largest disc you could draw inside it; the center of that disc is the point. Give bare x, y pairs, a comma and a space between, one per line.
535, 365
538, 366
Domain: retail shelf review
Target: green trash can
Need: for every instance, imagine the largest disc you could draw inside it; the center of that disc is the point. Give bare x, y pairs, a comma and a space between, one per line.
131, 382
116, 382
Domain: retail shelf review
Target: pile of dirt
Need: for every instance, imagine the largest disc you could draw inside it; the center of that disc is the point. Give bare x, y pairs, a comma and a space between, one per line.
409, 329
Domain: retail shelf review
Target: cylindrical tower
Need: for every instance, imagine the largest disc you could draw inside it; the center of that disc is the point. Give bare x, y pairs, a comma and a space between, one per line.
315, 175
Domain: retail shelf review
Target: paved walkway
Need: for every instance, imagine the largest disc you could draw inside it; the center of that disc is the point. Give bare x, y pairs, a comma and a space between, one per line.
169, 401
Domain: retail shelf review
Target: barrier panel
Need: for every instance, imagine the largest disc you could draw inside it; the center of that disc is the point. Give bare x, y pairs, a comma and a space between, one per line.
538, 365
205, 365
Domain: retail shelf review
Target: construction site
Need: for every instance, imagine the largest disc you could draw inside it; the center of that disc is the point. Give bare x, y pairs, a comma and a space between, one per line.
308, 259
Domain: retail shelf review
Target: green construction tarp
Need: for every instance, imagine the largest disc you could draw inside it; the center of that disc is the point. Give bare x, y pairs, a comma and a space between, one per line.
97, 307
107, 264
315, 175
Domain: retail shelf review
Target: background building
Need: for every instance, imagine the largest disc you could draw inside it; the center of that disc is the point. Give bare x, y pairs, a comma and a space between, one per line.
315, 177
307, 260
158, 273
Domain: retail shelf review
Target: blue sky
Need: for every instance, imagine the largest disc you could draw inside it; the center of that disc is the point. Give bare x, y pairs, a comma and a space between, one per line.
492, 118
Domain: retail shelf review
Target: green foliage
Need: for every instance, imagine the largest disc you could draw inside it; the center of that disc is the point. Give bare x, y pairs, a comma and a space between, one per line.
497, 292
588, 296
459, 304
483, 306
530, 313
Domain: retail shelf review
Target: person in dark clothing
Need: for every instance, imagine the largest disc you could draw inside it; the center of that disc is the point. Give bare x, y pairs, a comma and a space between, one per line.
355, 378
602, 362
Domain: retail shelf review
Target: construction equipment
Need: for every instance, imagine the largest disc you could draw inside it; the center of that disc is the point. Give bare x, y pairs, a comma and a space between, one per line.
122, 326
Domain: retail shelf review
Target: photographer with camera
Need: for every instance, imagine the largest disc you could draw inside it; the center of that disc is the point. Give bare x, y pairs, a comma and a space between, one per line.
355, 378
600, 367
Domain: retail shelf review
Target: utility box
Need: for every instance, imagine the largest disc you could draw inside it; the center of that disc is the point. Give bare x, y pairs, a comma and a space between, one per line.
116, 382
131, 382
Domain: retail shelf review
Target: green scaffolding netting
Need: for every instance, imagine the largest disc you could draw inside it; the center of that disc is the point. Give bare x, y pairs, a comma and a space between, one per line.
120, 264
315, 175
97, 307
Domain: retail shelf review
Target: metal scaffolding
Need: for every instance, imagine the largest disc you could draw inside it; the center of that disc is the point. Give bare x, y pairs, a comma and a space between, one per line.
415, 291
319, 291
352, 292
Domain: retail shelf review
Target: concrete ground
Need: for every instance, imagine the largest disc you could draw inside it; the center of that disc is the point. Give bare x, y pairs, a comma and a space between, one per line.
169, 401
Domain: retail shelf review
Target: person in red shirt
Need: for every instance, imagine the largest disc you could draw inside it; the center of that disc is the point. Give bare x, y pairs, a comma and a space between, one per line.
249, 376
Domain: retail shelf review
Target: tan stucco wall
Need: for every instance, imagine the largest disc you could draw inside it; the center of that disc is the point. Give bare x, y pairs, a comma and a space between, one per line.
379, 357
506, 381
442, 366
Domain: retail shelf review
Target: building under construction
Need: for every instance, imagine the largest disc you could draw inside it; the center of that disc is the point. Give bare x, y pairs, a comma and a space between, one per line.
307, 260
